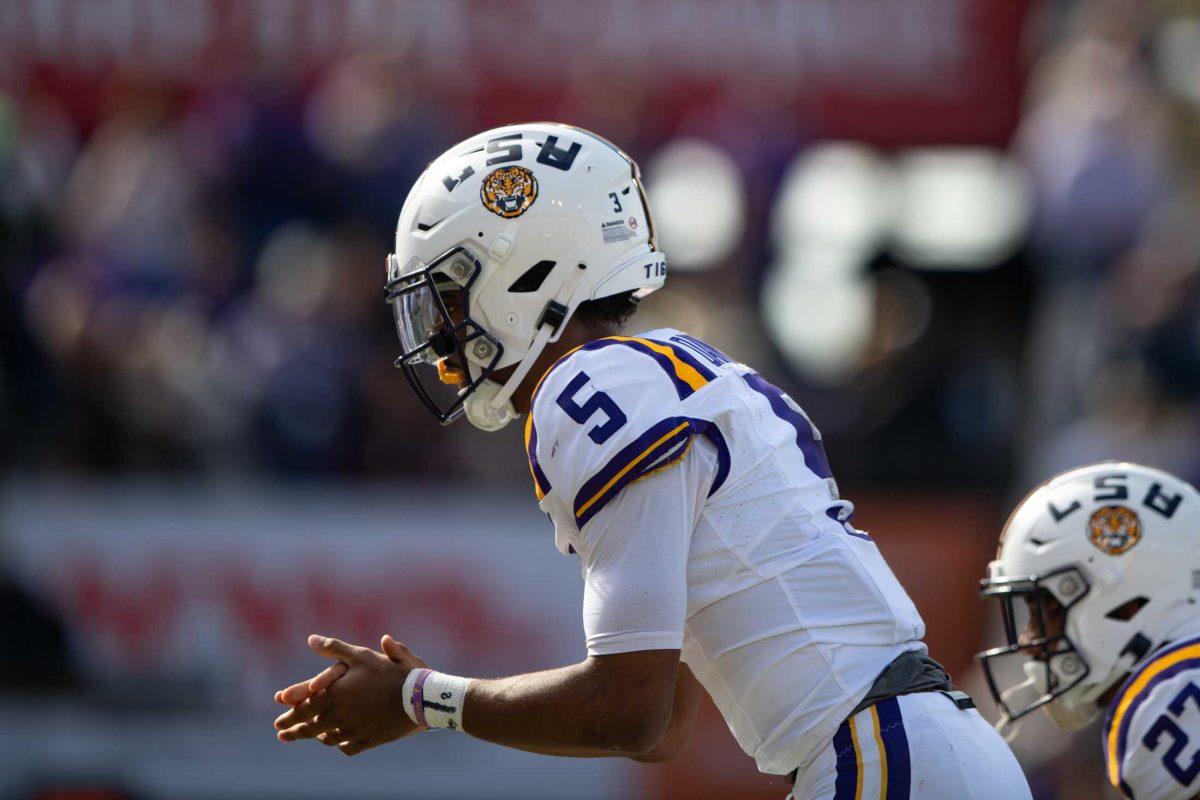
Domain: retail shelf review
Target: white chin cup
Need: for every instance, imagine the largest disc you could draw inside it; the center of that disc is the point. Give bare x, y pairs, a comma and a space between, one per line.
480, 411
1063, 709
1069, 716
1019, 697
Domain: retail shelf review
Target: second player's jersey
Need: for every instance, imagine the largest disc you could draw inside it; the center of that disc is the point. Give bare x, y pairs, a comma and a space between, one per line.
791, 612
1152, 730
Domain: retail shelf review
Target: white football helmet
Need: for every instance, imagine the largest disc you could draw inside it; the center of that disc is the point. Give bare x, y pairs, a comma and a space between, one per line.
521, 224
1117, 545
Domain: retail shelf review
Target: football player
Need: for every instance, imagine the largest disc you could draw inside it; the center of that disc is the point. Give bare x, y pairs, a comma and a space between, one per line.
716, 552
1098, 576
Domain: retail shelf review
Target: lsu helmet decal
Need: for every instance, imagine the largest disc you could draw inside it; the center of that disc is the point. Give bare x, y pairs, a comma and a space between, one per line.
509, 191
1114, 529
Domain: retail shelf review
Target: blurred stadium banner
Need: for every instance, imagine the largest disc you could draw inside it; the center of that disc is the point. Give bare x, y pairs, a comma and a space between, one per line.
887, 71
186, 608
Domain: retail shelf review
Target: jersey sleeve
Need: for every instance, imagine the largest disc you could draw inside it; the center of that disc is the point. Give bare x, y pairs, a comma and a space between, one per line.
605, 417
1152, 736
634, 558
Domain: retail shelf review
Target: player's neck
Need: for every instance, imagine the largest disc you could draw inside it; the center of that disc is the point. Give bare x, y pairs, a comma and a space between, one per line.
575, 334
1104, 700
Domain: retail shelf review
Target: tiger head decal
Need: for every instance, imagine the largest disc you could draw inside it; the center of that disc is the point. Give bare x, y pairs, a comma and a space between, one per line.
1114, 529
509, 191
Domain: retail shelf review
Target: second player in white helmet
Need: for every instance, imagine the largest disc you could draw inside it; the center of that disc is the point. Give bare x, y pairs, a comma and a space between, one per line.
1098, 580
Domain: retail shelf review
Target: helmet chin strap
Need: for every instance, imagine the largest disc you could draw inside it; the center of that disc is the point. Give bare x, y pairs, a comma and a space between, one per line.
490, 406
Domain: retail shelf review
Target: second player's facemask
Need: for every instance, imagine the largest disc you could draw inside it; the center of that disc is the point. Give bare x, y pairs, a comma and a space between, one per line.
1039, 664
432, 311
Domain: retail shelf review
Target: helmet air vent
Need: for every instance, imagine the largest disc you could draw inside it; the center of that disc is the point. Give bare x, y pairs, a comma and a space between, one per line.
426, 227
533, 278
1137, 647
1128, 609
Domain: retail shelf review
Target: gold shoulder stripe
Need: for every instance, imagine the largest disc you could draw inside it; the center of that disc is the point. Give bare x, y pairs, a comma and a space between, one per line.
684, 371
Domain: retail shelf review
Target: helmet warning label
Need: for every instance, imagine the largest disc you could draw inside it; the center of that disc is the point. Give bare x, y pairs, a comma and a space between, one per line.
618, 230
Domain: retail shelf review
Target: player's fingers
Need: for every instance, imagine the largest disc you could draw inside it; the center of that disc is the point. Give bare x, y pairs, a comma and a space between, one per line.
331, 738
305, 711
327, 677
297, 732
354, 747
336, 649
295, 694
307, 730
395, 650
292, 716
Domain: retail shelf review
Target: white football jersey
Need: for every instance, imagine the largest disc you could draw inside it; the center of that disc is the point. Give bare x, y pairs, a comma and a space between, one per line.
1152, 730
700, 501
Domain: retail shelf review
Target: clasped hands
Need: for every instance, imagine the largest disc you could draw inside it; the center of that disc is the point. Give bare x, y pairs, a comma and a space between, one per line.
356, 703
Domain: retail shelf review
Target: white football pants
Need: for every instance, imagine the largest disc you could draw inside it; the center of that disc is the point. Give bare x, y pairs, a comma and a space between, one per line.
919, 746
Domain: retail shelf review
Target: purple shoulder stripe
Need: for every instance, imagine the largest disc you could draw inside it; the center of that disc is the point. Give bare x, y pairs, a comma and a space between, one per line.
658, 446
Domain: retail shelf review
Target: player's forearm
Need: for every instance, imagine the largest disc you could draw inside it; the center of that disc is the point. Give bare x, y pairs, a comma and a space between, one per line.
571, 711
683, 720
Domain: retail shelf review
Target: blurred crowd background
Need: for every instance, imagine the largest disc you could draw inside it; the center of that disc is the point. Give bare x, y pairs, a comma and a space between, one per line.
964, 234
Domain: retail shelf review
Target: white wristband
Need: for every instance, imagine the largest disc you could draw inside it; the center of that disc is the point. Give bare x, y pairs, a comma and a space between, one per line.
434, 699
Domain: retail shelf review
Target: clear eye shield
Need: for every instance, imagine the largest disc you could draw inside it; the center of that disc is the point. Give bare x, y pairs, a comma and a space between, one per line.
431, 308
